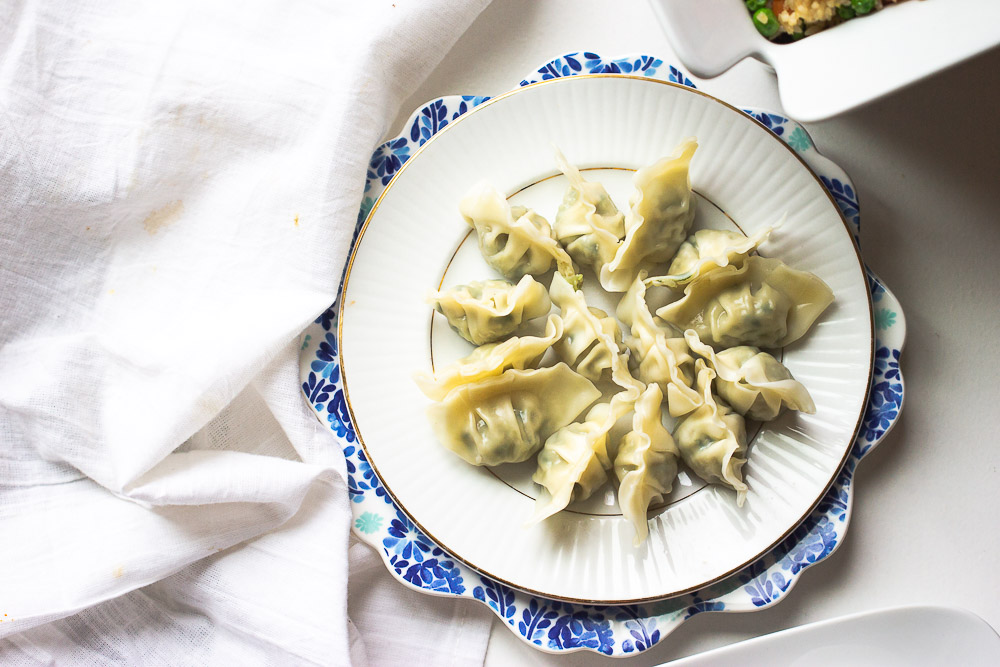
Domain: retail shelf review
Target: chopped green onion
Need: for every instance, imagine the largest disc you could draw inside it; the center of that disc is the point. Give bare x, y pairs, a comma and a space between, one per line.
862, 6
754, 5
845, 12
766, 22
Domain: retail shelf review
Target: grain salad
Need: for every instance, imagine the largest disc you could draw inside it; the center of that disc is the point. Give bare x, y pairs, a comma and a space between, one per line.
788, 20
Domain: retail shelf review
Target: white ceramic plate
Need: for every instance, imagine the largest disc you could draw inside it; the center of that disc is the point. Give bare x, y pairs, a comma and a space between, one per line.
840, 68
409, 246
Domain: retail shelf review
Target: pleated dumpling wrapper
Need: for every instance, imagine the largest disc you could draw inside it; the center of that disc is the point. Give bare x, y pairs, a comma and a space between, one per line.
754, 383
713, 439
506, 418
646, 463
588, 224
489, 360
709, 249
484, 311
658, 354
574, 461
660, 216
514, 240
764, 303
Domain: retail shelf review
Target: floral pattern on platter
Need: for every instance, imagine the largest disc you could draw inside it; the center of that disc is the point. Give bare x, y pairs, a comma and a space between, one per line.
797, 137
847, 200
557, 626
773, 122
587, 62
417, 560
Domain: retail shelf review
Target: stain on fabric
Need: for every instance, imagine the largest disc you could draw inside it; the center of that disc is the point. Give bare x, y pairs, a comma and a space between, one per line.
163, 216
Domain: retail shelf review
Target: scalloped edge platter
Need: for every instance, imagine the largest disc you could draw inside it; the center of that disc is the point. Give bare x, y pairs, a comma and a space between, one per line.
555, 625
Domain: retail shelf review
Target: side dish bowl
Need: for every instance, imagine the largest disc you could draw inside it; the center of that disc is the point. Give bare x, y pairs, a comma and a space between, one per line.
843, 67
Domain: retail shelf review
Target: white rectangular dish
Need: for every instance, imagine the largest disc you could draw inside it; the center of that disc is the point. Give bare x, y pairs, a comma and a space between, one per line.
842, 67
912, 636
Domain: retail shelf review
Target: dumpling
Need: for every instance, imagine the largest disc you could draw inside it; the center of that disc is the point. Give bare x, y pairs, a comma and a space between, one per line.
712, 440
486, 311
490, 360
709, 249
661, 213
754, 383
588, 224
646, 464
586, 330
657, 354
589, 355
574, 461
590, 342
514, 240
589, 346
505, 419
764, 303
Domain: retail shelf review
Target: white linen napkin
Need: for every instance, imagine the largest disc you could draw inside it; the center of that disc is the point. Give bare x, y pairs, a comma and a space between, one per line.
178, 187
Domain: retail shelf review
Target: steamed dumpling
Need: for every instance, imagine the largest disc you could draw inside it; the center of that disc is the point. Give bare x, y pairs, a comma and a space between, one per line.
490, 360
709, 249
589, 355
712, 440
662, 210
507, 418
486, 311
586, 330
658, 355
764, 303
514, 240
754, 383
646, 464
574, 462
591, 340
588, 224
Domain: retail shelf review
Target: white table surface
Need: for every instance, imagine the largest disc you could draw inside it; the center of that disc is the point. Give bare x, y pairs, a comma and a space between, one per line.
925, 162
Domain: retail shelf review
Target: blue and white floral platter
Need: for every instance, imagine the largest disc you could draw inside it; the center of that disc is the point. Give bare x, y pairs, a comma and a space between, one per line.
559, 626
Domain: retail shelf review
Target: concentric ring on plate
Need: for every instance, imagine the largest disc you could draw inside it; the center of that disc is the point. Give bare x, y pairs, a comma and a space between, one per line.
613, 122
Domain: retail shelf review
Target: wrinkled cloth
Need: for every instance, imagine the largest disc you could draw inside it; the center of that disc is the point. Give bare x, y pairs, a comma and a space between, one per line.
179, 183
